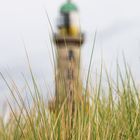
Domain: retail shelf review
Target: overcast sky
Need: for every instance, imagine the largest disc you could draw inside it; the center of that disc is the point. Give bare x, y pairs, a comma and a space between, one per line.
118, 31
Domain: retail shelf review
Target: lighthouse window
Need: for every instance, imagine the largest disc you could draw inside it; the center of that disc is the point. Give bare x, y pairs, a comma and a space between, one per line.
71, 55
66, 20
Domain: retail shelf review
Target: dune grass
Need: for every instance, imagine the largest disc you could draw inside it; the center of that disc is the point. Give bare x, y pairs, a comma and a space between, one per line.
110, 111
113, 113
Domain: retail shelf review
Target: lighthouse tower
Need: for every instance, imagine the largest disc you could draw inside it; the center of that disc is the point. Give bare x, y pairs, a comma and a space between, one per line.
68, 40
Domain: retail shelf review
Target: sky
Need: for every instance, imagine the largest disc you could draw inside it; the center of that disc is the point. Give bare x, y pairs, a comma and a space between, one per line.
24, 24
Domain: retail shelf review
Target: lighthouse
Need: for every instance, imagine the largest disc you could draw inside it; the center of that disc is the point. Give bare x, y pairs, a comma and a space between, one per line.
68, 41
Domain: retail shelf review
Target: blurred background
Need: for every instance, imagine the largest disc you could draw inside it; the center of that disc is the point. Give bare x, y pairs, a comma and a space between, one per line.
24, 24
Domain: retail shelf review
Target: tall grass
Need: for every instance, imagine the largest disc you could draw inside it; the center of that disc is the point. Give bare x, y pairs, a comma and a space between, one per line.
113, 113
110, 112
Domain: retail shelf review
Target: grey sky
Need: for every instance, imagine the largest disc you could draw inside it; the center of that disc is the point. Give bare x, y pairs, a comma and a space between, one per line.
118, 30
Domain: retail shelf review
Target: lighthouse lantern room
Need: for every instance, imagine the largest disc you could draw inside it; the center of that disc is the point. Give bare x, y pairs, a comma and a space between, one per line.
68, 22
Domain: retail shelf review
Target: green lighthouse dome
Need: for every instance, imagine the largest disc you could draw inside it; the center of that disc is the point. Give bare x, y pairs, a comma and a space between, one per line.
68, 7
